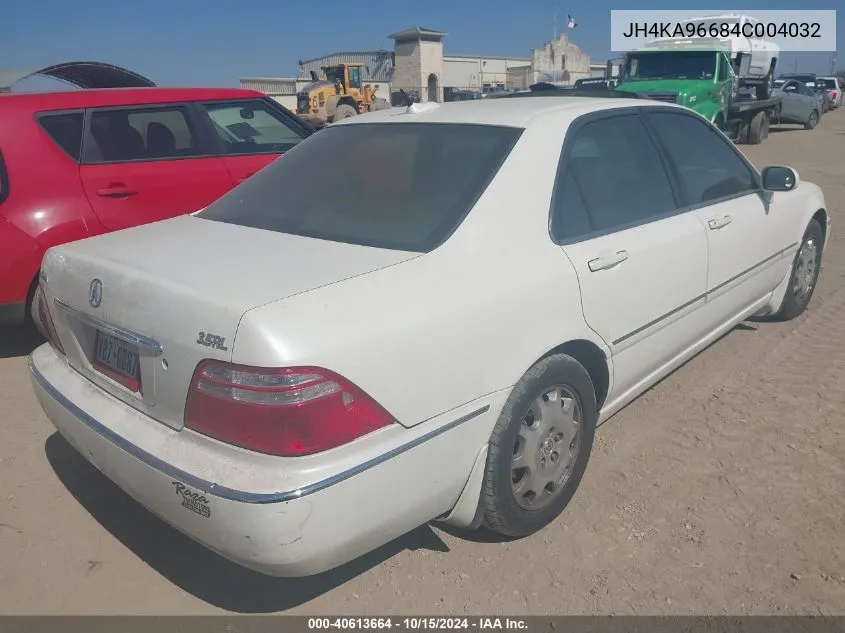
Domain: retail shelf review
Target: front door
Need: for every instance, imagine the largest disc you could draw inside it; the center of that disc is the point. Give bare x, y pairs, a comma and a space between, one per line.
144, 164
641, 263
746, 240
252, 133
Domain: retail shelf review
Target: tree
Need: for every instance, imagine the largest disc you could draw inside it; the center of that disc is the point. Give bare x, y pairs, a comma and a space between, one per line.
841, 75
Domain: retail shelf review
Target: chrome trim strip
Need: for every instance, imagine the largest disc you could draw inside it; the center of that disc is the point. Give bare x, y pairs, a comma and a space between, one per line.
223, 492
127, 335
704, 295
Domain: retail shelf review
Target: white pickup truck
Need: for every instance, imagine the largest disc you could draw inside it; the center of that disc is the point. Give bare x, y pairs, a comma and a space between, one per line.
753, 57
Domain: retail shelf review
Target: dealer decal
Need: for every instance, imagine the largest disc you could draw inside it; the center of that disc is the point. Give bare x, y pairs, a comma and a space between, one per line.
194, 501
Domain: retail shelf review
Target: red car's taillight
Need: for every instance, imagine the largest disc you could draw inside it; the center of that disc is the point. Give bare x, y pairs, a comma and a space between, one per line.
289, 411
48, 329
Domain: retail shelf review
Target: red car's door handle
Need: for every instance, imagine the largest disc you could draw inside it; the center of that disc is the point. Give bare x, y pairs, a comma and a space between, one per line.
116, 191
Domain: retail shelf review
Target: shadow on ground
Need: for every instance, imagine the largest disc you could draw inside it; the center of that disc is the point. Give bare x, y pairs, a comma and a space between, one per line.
192, 567
18, 340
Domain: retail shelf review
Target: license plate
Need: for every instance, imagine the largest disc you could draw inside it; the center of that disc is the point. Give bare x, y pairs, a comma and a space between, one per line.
118, 360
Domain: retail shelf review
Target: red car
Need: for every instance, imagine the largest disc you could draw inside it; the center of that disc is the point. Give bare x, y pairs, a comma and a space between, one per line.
79, 163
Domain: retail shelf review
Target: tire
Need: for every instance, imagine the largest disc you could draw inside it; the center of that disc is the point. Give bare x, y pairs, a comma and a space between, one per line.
571, 424
764, 91
742, 135
765, 131
755, 129
813, 121
344, 111
802, 283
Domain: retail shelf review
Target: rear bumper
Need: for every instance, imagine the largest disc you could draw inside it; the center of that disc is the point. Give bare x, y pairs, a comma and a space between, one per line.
12, 313
298, 532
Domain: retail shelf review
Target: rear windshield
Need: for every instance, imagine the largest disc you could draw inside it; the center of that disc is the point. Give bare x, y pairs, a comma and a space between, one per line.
830, 84
402, 186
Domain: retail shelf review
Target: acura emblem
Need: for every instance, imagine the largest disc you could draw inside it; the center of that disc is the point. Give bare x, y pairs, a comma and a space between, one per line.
95, 293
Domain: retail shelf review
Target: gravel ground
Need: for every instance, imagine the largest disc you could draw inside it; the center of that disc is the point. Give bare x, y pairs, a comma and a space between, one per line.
718, 491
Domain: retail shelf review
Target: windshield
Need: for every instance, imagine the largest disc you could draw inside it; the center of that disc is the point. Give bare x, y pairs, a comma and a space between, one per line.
335, 74
674, 65
403, 186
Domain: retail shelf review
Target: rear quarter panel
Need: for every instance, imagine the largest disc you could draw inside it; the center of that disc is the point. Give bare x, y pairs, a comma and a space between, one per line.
466, 320
46, 202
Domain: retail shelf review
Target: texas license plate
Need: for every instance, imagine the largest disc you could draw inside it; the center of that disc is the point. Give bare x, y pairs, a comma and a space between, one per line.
118, 360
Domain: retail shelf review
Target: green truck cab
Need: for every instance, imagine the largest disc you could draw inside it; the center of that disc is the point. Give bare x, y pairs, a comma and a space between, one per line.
700, 78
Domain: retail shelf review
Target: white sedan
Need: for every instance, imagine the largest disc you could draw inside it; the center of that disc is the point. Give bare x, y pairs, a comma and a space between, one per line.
415, 314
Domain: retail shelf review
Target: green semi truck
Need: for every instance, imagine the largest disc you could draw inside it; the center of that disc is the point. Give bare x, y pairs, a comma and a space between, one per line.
702, 79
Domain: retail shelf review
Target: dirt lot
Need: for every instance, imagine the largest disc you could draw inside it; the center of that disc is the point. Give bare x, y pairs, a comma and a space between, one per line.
718, 491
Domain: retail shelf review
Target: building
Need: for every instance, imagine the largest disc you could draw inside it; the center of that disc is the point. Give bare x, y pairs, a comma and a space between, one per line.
418, 66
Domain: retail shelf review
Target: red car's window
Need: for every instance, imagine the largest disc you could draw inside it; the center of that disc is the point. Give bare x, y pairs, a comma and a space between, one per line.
139, 134
65, 129
252, 127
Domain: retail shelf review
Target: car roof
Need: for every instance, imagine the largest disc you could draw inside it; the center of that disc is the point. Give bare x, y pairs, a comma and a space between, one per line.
103, 97
511, 112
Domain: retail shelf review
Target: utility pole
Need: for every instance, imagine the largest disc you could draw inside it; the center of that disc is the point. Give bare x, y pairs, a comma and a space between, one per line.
795, 66
833, 64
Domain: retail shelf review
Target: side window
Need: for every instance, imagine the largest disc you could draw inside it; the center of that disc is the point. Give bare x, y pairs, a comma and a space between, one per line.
251, 127
140, 134
611, 177
708, 166
65, 130
723, 67
355, 78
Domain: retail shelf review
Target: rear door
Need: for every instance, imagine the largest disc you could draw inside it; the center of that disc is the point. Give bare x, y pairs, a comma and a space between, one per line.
251, 133
641, 261
147, 163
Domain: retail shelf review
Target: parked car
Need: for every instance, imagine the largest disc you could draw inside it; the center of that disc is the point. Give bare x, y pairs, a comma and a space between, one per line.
595, 83
798, 103
833, 88
80, 163
754, 59
300, 373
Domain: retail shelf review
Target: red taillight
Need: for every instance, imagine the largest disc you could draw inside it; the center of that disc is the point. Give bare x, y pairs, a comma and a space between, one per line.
833, 95
288, 411
48, 329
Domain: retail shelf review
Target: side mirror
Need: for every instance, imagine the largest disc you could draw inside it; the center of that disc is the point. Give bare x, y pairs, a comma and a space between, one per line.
778, 178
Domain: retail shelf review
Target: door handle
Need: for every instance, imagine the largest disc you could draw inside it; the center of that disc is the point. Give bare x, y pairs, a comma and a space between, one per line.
608, 261
116, 191
718, 223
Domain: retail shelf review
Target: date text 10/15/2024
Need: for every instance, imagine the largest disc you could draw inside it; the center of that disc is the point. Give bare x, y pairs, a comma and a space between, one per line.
417, 623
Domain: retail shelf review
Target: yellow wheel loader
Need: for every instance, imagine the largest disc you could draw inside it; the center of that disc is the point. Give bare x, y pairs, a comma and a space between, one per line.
337, 95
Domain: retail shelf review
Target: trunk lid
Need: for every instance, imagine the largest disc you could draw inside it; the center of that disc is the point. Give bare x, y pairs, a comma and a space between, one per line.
173, 292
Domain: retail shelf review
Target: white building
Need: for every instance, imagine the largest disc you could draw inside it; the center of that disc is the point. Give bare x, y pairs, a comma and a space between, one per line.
418, 66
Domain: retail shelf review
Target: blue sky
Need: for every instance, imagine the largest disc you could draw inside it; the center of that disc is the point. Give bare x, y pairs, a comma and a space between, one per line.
215, 42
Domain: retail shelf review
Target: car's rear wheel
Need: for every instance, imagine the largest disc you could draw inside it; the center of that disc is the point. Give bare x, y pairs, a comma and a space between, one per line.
540, 447
813, 121
804, 274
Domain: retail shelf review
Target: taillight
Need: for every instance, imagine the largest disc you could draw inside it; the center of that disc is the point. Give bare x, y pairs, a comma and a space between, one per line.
833, 95
287, 411
45, 322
